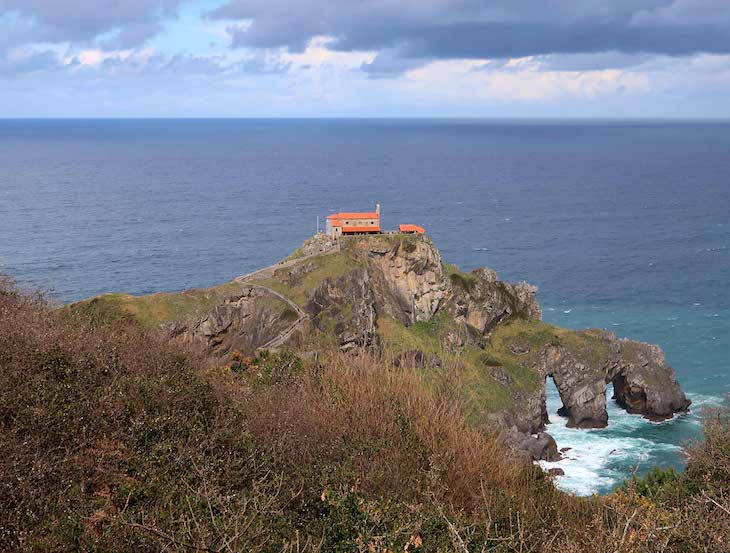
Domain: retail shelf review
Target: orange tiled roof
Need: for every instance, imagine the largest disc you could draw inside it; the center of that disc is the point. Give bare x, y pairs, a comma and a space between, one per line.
361, 229
372, 215
412, 228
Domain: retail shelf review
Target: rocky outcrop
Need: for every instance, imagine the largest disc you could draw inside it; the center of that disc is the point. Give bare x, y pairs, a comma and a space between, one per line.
243, 322
643, 381
408, 277
316, 245
344, 288
346, 307
412, 285
538, 446
482, 301
645, 384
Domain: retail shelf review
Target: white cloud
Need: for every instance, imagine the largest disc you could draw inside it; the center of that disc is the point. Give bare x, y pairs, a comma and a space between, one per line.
522, 80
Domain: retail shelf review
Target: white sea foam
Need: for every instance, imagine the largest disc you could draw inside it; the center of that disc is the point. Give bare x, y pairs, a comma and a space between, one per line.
702, 401
598, 459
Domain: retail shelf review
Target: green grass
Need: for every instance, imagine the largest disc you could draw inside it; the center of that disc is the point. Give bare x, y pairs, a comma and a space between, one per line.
513, 348
296, 254
484, 392
458, 277
426, 336
586, 345
156, 309
326, 266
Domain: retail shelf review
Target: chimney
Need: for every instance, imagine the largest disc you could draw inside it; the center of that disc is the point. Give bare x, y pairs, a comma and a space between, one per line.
377, 209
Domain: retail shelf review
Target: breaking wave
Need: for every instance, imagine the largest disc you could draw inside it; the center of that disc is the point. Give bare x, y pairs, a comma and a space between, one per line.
596, 461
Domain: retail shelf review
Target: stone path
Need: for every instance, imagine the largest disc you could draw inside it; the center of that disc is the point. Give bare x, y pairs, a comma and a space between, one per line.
284, 336
268, 272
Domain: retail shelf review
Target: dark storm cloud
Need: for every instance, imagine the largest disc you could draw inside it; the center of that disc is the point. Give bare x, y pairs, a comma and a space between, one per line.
441, 29
131, 21
388, 63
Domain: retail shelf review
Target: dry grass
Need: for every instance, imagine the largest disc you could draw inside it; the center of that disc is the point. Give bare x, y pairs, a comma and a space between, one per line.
112, 441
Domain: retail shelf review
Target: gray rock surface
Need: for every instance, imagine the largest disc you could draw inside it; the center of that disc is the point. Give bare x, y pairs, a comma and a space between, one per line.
408, 278
539, 446
482, 301
243, 322
346, 307
643, 381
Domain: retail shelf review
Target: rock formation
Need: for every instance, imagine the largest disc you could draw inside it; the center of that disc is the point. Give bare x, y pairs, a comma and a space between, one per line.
408, 277
345, 306
348, 290
482, 301
643, 381
245, 321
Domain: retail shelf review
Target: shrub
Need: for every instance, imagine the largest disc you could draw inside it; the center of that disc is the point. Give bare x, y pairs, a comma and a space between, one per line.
113, 441
657, 484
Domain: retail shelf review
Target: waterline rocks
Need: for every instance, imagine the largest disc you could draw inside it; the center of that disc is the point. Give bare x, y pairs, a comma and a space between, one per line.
393, 297
643, 381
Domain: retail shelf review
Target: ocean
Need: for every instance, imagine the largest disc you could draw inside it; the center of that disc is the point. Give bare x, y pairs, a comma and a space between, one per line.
622, 225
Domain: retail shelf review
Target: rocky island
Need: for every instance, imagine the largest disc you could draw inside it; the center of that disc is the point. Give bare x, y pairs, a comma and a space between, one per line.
394, 297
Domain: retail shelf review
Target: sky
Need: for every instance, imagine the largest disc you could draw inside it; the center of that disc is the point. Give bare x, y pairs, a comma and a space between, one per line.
365, 58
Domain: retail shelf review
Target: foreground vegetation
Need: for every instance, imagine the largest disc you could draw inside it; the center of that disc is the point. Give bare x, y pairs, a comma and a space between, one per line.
113, 441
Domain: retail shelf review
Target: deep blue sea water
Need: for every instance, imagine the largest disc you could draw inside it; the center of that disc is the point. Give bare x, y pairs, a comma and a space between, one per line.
622, 225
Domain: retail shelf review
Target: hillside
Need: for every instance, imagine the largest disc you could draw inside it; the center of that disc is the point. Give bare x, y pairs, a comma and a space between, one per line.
114, 438
394, 296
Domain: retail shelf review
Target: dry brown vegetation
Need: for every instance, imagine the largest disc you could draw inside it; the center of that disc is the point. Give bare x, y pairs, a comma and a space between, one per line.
112, 441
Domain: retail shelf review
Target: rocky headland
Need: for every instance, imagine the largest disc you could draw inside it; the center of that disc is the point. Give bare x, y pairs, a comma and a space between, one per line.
394, 296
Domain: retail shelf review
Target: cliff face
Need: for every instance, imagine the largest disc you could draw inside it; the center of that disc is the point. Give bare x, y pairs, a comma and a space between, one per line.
643, 381
408, 277
245, 320
395, 296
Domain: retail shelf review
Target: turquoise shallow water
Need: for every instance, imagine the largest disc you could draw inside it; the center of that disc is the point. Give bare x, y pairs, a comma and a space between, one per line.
695, 339
622, 225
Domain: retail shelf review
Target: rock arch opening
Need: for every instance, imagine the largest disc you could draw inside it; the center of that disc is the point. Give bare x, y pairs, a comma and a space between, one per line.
582, 401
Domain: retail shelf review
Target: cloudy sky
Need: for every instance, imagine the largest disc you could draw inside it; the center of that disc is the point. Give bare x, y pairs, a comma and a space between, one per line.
446, 58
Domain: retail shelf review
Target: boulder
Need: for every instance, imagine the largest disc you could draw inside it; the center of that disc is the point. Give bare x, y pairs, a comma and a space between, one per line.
536, 447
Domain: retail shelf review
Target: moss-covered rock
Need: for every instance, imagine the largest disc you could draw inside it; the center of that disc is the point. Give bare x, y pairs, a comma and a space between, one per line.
394, 294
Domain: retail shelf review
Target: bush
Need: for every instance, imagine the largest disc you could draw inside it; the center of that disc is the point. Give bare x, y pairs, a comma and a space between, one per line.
657, 484
113, 441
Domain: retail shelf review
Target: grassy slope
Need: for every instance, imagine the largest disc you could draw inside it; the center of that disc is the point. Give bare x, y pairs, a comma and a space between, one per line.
486, 392
325, 266
163, 307
476, 365
112, 441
